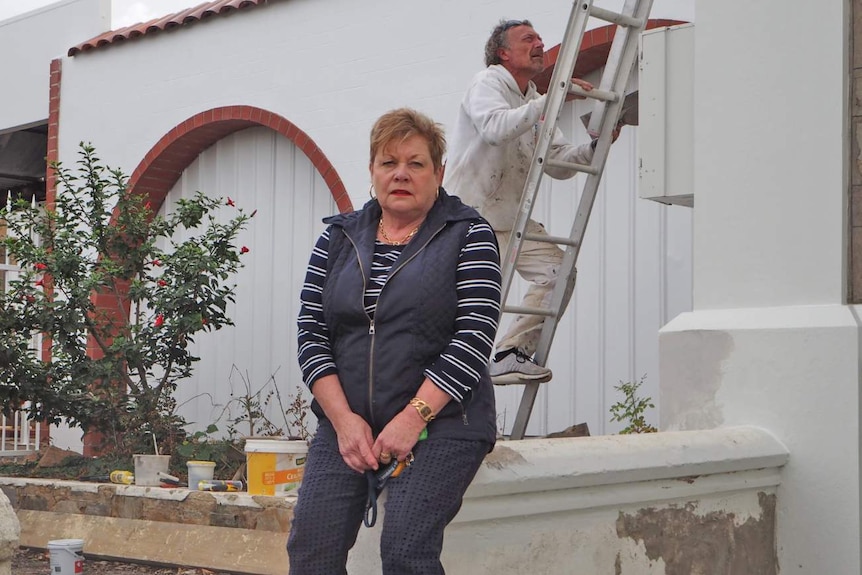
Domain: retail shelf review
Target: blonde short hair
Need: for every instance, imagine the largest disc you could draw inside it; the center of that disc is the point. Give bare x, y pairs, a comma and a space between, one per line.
398, 125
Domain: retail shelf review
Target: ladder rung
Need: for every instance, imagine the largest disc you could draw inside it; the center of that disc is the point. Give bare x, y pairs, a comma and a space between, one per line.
615, 18
595, 93
545, 238
572, 166
523, 310
515, 379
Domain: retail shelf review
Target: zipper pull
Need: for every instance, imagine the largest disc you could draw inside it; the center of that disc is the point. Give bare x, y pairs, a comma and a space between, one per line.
371, 328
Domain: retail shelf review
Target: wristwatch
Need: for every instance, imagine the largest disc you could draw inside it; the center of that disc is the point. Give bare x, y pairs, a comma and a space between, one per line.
425, 411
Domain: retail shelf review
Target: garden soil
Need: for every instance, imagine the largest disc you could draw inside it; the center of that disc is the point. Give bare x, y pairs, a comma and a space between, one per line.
33, 562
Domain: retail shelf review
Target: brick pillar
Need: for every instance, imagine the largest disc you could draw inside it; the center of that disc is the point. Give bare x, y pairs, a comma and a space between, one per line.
115, 308
52, 155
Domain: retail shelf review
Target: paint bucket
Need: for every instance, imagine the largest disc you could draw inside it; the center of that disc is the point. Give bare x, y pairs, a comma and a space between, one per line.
66, 558
200, 471
274, 465
147, 469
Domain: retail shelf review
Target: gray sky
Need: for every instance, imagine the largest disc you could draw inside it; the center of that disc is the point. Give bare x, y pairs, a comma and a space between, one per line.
123, 12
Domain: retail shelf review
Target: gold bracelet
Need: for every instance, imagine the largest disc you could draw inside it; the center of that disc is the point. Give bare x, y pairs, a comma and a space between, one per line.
425, 411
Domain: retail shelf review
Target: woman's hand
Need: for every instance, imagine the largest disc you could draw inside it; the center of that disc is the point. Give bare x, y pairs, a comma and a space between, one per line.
353, 432
399, 436
355, 442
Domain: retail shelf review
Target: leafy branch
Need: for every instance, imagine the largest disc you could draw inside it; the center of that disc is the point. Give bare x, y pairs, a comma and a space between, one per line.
632, 409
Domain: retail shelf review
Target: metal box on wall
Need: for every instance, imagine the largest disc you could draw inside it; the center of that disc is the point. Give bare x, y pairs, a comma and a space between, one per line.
665, 133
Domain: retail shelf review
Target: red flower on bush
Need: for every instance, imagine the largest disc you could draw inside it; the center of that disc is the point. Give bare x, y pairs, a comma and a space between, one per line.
162, 283
203, 321
230, 202
156, 262
40, 267
40, 283
244, 250
160, 321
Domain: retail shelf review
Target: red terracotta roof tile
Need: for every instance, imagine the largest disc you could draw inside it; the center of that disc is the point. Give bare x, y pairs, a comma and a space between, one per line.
169, 22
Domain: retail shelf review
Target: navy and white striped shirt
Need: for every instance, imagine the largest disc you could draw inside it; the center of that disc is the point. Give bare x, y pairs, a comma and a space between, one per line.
459, 367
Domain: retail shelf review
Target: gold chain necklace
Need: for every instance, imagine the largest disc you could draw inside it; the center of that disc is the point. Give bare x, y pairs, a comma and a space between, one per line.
392, 242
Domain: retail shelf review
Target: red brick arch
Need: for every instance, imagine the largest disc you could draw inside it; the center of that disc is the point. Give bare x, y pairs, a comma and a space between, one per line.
163, 165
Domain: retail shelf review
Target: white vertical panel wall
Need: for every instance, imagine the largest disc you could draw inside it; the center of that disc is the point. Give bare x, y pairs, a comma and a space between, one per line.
261, 170
634, 275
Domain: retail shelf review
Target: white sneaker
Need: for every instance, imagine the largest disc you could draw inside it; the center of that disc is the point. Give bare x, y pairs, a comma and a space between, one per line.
518, 364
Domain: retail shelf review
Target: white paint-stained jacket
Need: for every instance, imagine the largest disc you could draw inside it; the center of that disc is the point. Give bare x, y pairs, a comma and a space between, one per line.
492, 143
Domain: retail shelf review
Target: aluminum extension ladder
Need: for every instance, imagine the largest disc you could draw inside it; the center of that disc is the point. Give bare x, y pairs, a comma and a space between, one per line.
608, 101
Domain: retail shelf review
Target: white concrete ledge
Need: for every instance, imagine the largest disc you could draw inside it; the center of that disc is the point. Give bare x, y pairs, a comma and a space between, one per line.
556, 506
537, 465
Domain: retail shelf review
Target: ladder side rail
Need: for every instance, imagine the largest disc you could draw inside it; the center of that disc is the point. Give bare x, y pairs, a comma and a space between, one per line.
556, 97
620, 59
623, 50
623, 56
615, 78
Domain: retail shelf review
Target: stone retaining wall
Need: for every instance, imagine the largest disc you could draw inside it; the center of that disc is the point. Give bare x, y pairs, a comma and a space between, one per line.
227, 532
179, 505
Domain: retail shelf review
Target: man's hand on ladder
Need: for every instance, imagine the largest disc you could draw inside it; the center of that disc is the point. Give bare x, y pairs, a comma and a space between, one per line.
583, 84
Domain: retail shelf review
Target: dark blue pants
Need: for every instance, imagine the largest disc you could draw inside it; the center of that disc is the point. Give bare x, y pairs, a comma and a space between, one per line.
420, 503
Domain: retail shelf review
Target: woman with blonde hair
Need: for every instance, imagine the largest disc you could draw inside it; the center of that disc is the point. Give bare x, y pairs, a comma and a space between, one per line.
399, 313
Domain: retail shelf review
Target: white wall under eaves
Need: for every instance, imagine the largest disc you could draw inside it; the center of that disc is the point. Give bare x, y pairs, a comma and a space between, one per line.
29, 42
331, 67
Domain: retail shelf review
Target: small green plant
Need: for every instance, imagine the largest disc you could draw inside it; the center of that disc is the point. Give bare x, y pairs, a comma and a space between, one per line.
296, 415
632, 409
198, 446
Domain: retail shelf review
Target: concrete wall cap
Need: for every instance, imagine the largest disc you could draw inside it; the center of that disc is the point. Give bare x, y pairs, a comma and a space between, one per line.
565, 463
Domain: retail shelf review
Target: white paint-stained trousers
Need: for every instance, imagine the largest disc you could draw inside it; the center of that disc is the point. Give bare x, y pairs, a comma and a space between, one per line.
539, 264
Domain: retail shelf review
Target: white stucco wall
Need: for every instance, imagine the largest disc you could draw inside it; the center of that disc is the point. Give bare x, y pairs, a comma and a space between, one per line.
29, 42
769, 161
770, 341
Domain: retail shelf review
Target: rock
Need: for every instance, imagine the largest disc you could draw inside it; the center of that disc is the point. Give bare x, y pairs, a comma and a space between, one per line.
579, 430
10, 530
54, 456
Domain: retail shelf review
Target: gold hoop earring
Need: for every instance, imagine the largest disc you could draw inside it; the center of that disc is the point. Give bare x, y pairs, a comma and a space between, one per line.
371, 192
438, 194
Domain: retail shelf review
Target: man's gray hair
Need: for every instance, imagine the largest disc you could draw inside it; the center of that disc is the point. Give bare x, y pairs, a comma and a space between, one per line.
499, 39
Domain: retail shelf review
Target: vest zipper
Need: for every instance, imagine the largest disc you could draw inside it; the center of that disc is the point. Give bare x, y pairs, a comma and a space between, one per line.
371, 328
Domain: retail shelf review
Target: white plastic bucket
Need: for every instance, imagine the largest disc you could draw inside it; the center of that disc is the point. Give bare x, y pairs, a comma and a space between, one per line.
147, 469
274, 465
200, 471
66, 558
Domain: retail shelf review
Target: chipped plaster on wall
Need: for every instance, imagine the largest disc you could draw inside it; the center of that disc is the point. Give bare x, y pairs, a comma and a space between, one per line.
692, 541
748, 506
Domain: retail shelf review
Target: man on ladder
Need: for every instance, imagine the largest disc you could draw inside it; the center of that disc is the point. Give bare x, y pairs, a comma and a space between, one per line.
489, 157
